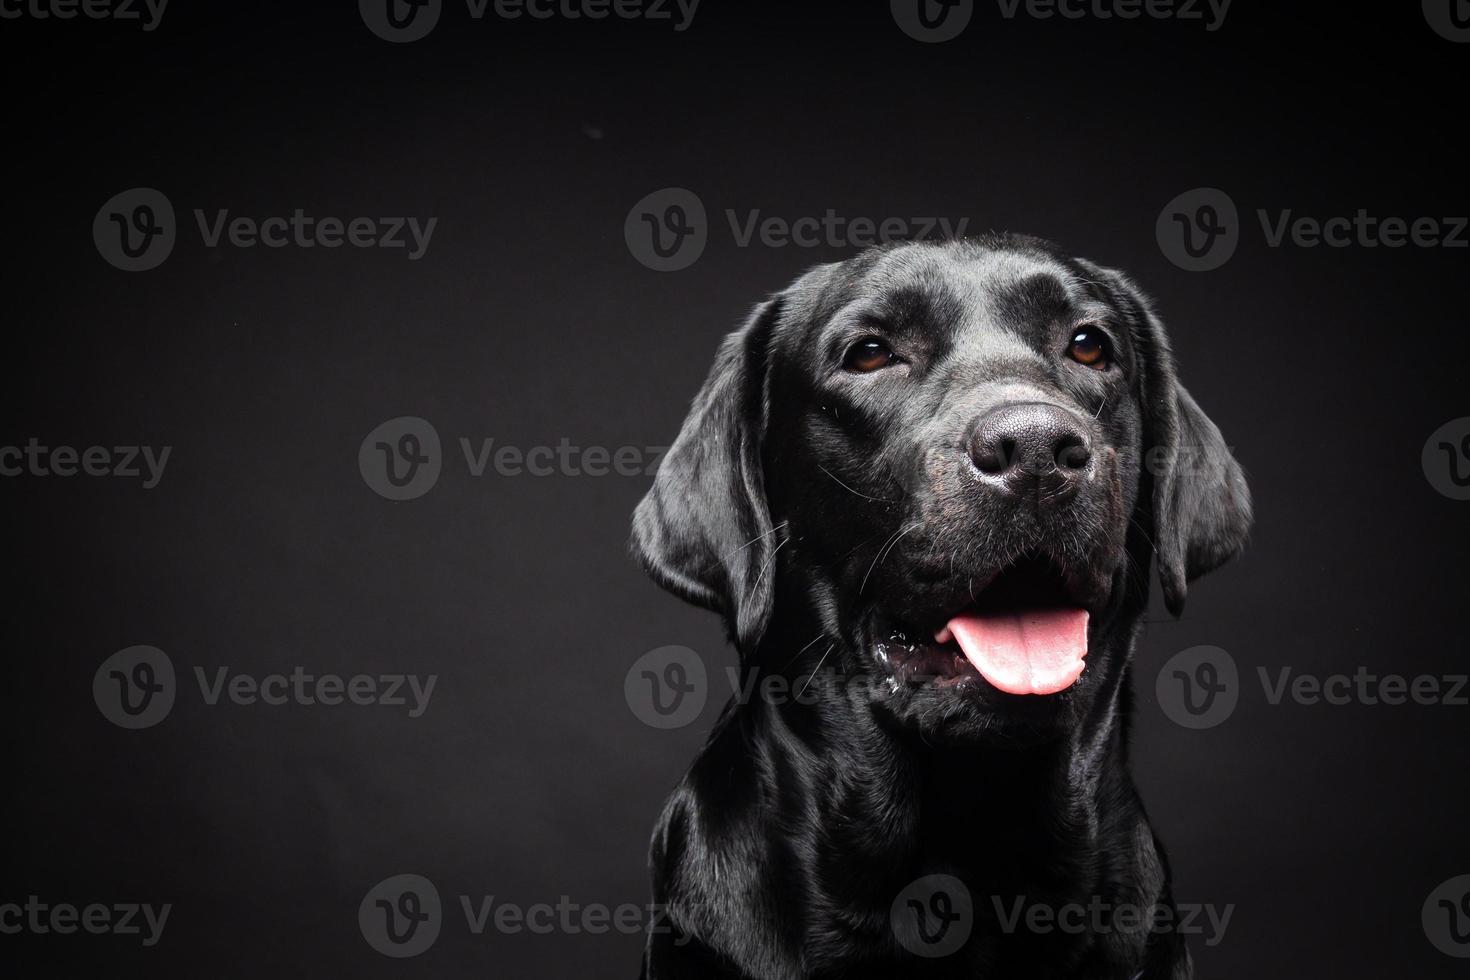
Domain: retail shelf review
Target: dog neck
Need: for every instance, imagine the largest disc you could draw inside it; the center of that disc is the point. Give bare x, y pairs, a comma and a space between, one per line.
1012, 815
837, 797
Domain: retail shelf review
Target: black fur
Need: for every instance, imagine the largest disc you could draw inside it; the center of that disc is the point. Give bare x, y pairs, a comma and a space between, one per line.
828, 516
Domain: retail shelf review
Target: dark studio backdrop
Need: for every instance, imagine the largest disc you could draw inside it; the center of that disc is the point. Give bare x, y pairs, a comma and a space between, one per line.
538, 314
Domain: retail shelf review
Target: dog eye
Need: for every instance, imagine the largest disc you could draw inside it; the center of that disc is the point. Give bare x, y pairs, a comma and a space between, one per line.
868, 354
1090, 346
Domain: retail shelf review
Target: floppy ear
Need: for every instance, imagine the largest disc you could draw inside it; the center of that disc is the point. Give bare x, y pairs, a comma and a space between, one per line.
704, 531
1201, 505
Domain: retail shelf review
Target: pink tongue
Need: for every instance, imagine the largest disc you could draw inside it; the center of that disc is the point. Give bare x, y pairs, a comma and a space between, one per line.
1033, 651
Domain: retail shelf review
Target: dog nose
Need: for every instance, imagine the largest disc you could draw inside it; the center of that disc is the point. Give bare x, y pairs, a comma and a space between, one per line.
1032, 449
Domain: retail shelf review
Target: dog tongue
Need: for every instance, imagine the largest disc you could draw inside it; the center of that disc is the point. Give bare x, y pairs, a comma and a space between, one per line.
1029, 651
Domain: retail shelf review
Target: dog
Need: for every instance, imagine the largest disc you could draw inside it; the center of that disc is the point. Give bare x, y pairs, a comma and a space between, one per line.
926, 485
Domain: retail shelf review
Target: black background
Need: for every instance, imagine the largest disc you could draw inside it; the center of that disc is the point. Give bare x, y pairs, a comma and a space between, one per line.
529, 321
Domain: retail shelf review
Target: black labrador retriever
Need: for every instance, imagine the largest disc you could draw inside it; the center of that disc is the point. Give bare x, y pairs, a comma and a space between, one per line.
925, 485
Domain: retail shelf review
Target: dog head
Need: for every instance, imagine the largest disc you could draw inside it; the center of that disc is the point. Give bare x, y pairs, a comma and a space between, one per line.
954, 464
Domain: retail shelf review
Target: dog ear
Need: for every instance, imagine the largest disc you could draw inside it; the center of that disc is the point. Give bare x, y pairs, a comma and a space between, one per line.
1201, 505
704, 531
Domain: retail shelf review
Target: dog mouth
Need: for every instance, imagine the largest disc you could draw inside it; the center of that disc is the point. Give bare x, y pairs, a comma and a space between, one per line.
1025, 634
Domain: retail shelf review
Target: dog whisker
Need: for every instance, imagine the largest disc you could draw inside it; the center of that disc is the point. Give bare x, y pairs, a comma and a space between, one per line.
815, 669
874, 563
850, 490
812, 643
1143, 531
886, 550
736, 551
770, 561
